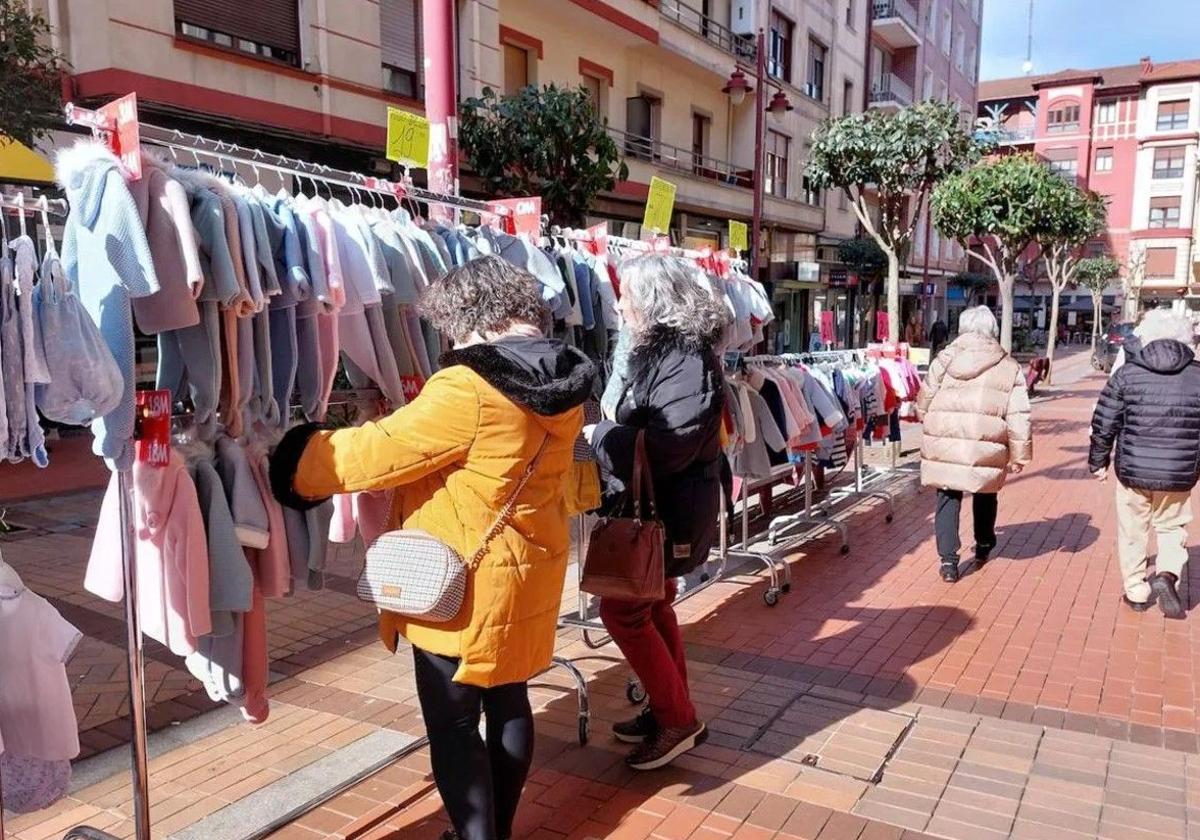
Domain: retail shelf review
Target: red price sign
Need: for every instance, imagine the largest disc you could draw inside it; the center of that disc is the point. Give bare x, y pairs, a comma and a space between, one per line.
524, 215
126, 139
597, 236
412, 386
153, 434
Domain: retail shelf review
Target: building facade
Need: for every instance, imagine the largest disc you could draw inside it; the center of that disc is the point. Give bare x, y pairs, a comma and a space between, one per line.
1130, 133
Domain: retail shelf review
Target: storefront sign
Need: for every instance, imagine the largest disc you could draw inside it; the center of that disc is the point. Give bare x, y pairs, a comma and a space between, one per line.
125, 139
839, 277
660, 204
407, 138
521, 215
739, 236
930, 289
827, 327
152, 434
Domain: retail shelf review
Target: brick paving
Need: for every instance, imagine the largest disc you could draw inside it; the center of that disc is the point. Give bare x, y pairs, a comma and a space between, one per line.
874, 703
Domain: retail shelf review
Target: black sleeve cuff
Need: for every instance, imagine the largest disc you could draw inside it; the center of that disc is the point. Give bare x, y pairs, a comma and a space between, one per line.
284, 462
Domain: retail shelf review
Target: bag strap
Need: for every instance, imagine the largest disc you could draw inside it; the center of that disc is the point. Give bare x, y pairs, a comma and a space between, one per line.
506, 512
642, 478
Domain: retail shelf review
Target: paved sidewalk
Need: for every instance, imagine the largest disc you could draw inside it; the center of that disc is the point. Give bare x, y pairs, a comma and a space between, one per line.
874, 703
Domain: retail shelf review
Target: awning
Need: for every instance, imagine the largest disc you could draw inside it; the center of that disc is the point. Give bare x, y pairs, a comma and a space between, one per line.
20, 163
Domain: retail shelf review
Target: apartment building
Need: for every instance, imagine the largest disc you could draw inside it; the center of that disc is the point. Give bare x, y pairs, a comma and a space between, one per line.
1130, 133
926, 49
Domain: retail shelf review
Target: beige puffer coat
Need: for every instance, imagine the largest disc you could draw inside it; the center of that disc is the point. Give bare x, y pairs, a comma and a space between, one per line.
976, 414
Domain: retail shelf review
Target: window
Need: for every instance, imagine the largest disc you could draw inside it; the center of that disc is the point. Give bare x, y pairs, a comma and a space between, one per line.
816, 70
947, 23
1168, 162
812, 194
1106, 112
847, 97
270, 29
594, 86
960, 46
779, 48
700, 134
1164, 211
1104, 160
400, 46
1062, 118
972, 60
1172, 116
927, 85
516, 68
777, 164
1063, 162
642, 123
1160, 262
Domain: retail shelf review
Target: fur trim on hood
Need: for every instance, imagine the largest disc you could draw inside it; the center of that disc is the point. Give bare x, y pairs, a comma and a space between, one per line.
542, 375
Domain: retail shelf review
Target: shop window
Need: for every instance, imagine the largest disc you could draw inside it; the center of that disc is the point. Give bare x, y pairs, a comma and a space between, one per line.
1164, 211
268, 29
1160, 262
1104, 160
1172, 116
777, 148
1168, 162
779, 47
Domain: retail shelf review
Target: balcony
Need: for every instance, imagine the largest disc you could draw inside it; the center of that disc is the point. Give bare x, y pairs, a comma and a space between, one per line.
704, 27
1014, 136
666, 156
895, 22
891, 93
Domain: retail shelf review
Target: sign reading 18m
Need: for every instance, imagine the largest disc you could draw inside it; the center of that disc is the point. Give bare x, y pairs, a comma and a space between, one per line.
407, 138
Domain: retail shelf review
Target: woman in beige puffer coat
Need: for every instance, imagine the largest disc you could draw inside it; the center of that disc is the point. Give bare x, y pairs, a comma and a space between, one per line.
975, 410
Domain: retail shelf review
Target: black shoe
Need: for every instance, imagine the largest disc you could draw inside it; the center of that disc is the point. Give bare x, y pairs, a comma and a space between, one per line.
639, 729
1138, 606
1163, 587
983, 553
450, 835
950, 572
666, 746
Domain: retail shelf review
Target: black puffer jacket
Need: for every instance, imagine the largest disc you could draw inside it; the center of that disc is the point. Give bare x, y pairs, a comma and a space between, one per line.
1150, 409
676, 394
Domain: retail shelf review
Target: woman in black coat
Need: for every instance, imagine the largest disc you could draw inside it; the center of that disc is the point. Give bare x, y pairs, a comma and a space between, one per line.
671, 388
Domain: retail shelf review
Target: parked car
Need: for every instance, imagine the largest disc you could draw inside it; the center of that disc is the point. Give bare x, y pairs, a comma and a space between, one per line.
1110, 344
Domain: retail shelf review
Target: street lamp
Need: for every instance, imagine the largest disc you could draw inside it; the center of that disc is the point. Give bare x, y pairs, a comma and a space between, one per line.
779, 106
737, 88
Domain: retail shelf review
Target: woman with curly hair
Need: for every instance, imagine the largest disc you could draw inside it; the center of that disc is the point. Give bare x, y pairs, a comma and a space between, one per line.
671, 389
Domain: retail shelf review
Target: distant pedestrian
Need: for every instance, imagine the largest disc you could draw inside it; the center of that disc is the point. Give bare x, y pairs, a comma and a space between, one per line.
975, 411
938, 334
1150, 413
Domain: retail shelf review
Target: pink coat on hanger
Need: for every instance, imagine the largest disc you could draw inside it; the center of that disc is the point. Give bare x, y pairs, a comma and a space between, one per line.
172, 555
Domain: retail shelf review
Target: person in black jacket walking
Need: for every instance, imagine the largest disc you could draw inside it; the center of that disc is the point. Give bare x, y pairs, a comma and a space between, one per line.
673, 391
1150, 412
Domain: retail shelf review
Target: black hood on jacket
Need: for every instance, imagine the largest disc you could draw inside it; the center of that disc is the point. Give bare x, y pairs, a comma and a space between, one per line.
1166, 355
541, 374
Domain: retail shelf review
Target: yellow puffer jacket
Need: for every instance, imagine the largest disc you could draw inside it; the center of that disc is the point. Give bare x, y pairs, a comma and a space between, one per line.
454, 455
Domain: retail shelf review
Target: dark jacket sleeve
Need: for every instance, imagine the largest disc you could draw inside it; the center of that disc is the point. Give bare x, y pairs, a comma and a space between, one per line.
284, 462
1107, 421
680, 416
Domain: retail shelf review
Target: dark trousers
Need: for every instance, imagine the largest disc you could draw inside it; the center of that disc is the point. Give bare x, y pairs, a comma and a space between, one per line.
647, 632
480, 782
945, 523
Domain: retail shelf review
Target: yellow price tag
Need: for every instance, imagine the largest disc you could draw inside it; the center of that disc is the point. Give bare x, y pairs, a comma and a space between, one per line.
739, 236
407, 138
659, 206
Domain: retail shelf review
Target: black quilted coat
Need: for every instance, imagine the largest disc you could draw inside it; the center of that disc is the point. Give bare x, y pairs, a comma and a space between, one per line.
1150, 410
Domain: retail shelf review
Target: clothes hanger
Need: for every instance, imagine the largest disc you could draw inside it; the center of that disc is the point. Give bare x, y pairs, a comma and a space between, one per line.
21, 211
44, 204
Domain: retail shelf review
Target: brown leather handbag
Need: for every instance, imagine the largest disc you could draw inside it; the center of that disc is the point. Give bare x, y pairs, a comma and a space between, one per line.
625, 554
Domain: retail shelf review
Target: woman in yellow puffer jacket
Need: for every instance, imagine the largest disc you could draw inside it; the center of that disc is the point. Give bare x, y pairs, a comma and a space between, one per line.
454, 456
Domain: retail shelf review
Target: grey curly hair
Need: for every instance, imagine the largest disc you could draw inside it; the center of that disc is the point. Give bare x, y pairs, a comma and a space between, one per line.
485, 296
669, 292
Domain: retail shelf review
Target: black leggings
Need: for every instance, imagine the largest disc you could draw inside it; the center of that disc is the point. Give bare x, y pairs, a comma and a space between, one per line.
945, 522
480, 783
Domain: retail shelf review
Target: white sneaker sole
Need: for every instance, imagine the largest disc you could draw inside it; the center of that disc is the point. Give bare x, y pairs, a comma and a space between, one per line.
629, 739
686, 745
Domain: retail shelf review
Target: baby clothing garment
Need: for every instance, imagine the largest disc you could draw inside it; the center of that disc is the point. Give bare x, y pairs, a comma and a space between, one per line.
32, 784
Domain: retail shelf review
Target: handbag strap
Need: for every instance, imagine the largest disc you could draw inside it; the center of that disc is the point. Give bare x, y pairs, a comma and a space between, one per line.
506, 512
642, 478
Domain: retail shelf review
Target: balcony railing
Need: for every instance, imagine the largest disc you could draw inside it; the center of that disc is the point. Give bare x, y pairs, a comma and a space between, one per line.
1015, 135
700, 24
891, 90
683, 160
884, 9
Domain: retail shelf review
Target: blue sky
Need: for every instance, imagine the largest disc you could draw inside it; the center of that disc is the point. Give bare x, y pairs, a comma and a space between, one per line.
1087, 33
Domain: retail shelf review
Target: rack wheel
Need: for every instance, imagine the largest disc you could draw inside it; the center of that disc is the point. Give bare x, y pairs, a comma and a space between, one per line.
771, 597
787, 587
889, 518
584, 729
846, 549
634, 692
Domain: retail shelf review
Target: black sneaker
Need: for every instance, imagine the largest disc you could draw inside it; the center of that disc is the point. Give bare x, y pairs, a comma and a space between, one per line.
1137, 606
637, 730
950, 572
1163, 587
666, 746
983, 553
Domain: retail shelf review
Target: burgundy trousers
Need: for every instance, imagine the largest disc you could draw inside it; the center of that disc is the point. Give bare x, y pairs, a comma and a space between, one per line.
647, 632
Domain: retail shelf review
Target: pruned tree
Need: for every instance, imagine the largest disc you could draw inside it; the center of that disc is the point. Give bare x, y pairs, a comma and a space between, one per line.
541, 141
30, 74
890, 163
973, 284
1074, 216
1096, 274
997, 209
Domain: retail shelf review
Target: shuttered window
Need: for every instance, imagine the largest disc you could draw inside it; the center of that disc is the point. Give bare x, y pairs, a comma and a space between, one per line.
400, 43
266, 28
1160, 262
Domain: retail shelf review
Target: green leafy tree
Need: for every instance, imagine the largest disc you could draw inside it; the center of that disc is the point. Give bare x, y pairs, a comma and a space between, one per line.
30, 75
891, 162
1096, 274
1075, 216
974, 285
544, 142
997, 210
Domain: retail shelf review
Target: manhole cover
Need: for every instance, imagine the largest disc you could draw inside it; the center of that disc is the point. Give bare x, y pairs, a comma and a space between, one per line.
838, 737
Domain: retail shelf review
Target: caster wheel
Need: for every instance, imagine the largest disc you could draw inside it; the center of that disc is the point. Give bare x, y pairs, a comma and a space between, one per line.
704, 578
888, 518
845, 549
787, 587
634, 692
771, 597
584, 730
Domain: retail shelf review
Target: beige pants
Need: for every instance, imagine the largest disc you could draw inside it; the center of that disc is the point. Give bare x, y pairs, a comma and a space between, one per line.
1139, 511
